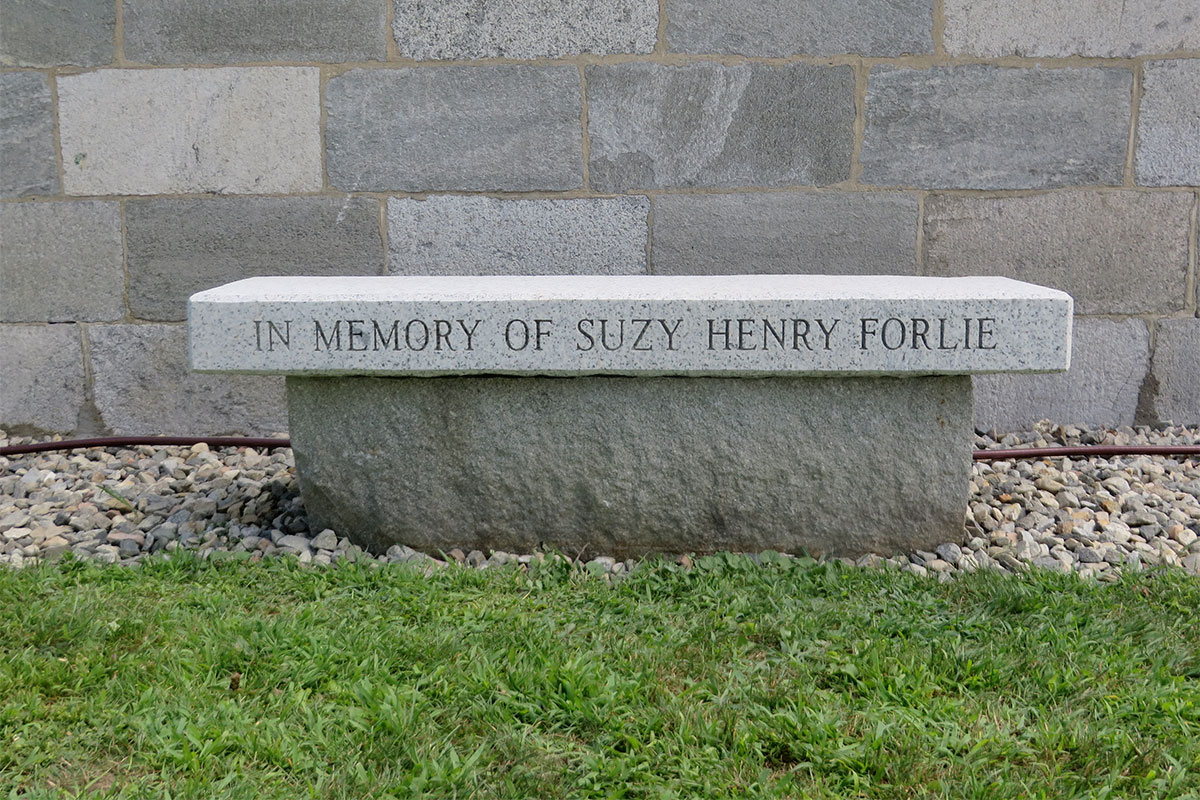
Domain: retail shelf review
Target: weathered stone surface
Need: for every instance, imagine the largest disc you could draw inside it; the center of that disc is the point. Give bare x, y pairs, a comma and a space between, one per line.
1175, 372
469, 29
503, 128
1168, 143
27, 162
784, 27
483, 236
42, 383
1108, 364
224, 32
142, 385
1104, 28
1115, 252
707, 124
799, 232
745, 326
984, 127
235, 130
61, 262
36, 33
178, 247
631, 466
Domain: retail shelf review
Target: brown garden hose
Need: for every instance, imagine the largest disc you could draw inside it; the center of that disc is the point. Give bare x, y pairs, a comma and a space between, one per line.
1078, 451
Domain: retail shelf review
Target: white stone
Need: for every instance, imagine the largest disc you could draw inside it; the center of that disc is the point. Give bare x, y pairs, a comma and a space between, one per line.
234, 130
630, 325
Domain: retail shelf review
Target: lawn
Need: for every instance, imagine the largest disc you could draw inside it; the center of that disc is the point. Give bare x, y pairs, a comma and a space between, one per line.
793, 679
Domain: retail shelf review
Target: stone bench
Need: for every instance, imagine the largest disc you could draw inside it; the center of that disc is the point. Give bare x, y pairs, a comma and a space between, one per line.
634, 414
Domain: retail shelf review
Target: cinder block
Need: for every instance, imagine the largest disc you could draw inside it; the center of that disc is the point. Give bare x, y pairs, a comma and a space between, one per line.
1109, 361
984, 127
1062, 28
42, 384
470, 29
247, 130
177, 247
1168, 143
61, 262
707, 124
801, 232
784, 27
502, 128
142, 385
27, 162
484, 236
231, 31
1119, 252
1175, 371
37, 33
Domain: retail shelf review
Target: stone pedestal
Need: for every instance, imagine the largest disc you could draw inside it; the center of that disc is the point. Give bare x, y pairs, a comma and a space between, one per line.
628, 466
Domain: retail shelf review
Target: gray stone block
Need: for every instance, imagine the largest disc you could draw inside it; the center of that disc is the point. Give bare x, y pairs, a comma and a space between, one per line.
1168, 143
707, 124
470, 29
503, 128
1109, 361
985, 127
231, 31
786, 27
42, 385
484, 236
61, 262
800, 232
142, 385
622, 466
178, 247
27, 162
1175, 372
230, 130
36, 33
1106, 29
1121, 252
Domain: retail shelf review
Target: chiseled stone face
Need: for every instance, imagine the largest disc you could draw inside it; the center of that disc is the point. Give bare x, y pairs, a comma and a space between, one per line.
141, 383
485, 236
1168, 143
234, 130
180, 246
27, 163
61, 262
629, 325
850, 233
223, 32
1119, 252
496, 128
1176, 371
707, 124
786, 27
1108, 364
1103, 28
37, 33
42, 383
626, 467
985, 127
451, 30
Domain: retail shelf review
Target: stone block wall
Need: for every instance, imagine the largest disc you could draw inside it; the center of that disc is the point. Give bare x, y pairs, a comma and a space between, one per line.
151, 148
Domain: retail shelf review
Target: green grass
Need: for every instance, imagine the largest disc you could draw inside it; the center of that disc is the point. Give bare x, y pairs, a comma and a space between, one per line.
191, 679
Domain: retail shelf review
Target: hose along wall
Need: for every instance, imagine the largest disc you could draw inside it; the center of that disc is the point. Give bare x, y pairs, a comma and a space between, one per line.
1080, 451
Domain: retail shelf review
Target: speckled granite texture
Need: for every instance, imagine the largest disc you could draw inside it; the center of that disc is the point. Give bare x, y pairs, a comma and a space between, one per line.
630, 325
609, 465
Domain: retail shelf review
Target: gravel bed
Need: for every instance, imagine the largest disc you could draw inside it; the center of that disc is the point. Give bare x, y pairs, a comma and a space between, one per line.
1096, 517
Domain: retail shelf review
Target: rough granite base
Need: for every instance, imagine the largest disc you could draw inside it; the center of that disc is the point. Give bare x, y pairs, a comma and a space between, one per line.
629, 466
